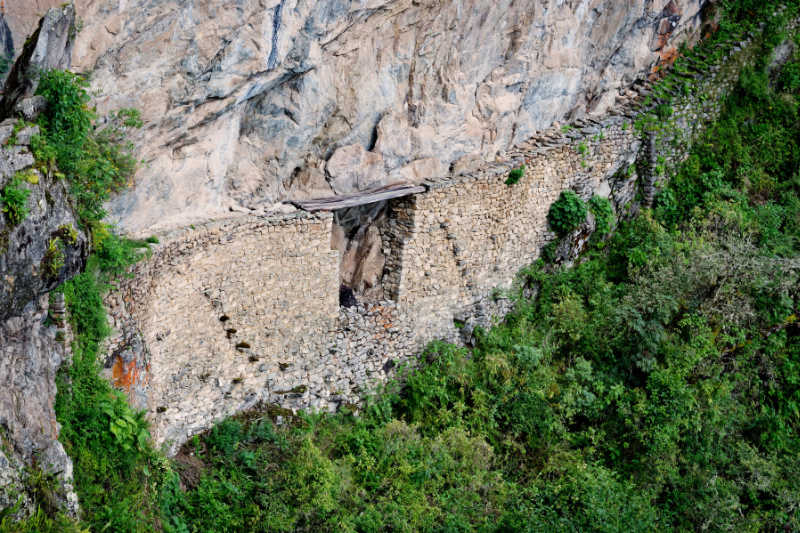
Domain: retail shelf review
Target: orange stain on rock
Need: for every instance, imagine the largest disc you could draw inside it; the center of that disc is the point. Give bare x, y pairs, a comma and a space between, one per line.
125, 375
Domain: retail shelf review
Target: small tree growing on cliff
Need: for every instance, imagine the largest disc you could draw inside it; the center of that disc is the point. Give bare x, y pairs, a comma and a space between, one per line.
566, 213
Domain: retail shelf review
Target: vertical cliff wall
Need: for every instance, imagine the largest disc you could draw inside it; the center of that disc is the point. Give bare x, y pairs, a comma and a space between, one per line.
259, 101
41, 246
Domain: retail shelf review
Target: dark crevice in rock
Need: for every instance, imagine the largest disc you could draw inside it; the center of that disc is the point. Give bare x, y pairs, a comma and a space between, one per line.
276, 27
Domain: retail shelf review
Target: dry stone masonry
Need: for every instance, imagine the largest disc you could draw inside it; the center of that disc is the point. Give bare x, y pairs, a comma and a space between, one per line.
246, 310
227, 308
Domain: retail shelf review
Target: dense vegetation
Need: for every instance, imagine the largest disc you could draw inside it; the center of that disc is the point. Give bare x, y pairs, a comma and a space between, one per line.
115, 467
566, 213
653, 386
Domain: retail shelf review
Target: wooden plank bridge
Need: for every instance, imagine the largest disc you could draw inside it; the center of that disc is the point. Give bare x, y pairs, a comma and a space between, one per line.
371, 196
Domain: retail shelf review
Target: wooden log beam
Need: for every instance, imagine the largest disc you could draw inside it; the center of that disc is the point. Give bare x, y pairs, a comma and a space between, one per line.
333, 203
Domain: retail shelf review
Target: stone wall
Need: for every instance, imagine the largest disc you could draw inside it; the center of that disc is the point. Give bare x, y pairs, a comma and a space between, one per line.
464, 240
681, 109
223, 309
244, 311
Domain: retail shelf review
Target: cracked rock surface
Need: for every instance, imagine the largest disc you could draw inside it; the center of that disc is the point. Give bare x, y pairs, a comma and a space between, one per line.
41, 246
244, 100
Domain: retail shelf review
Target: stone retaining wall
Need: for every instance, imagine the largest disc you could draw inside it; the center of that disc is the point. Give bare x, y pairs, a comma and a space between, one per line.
246, 310
213, 315
466, 239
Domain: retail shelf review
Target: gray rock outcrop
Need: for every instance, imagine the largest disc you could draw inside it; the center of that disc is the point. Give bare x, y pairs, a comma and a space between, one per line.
41, 246
36, 254
44, 249
31, 352
50, 47
240, 101
22, 19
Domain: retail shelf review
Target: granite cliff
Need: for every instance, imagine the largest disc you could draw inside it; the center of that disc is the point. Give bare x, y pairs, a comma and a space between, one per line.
254, 102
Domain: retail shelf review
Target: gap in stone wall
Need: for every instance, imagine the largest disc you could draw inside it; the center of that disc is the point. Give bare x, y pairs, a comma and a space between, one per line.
357, 236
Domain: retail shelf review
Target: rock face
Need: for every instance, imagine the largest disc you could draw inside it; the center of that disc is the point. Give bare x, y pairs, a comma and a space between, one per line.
22, 19
355, 235
40, 247
50, 47
36, 255
43, 249
46, 247
31, 351
243, 99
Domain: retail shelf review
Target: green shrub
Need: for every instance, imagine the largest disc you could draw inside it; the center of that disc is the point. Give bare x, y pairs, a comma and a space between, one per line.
53, 259
515, 175
96, 161
603, 215
14, 199
116, 471
68, 234
789, 79
41, 521
566, 213
664, 111
548, 254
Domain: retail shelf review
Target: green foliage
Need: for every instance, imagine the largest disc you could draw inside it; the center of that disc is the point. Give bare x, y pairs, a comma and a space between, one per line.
68, 234
30, 176
53, 259
548, 254
14, 199
789, 79
96, 161
117, 473
664, 111
5, 64
116, 470
566, 213
603, 215
128, 428
515, 175
41, 521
